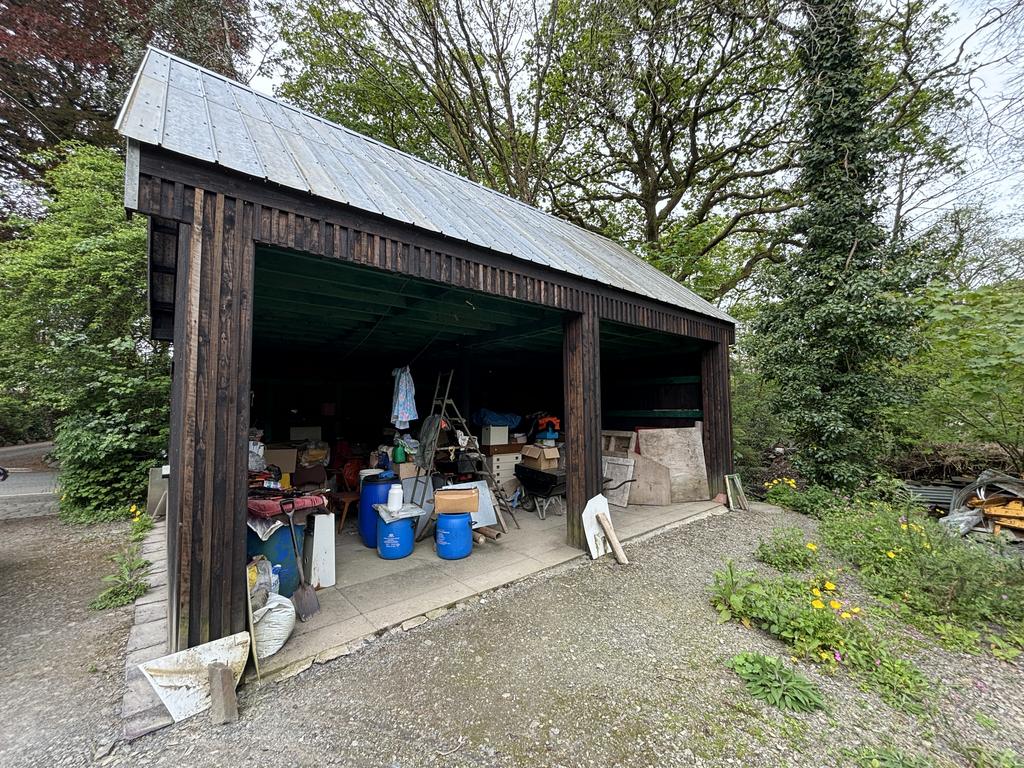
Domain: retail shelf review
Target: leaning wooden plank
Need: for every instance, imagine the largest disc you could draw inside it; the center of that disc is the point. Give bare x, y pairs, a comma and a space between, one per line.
613, 540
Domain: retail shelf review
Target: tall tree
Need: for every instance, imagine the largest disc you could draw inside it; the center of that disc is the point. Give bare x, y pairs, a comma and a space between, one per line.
680, 113
65, 66
459, 81
841, 321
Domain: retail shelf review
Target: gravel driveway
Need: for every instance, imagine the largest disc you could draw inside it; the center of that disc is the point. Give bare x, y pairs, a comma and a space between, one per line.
596, 665
62, 666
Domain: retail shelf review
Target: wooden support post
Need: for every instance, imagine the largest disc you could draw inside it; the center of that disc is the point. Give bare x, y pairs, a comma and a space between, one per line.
210, 420
717, 434
581, 355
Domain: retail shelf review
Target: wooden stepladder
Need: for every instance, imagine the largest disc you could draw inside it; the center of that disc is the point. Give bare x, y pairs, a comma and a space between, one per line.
444, 408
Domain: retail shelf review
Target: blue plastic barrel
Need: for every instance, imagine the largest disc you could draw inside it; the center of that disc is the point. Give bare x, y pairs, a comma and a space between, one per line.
278, 550
454, 535
395, 538
374, 491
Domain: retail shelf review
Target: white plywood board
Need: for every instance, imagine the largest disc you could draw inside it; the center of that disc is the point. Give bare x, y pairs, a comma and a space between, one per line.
617, 470
682, 451
597, 543
182, 680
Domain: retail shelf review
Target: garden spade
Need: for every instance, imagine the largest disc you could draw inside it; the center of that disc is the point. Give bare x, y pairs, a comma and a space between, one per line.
306, 603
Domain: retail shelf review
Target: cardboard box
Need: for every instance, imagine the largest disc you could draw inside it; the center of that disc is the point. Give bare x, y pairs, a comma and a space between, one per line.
283, 456
494, 436
540, 457
405, 470
456, 500
304, 433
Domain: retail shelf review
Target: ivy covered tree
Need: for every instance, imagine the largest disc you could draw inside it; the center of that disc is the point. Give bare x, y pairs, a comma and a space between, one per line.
841, 322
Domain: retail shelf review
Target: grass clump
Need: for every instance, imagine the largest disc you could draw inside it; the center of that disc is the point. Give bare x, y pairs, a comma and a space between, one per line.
127, 582
768, 679
787, 551
887, 757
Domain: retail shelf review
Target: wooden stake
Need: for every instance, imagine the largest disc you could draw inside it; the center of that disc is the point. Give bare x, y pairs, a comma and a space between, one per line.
609, 532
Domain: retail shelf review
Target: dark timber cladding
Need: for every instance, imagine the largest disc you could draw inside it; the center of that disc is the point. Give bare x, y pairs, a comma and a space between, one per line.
206, 220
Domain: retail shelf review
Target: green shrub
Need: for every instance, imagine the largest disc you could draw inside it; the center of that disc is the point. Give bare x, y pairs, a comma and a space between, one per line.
768, 679
108, 445
936, 577
819, 626
127, 582
787, 550
953, 587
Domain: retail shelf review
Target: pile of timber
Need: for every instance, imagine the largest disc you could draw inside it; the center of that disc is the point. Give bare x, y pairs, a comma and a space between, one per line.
1002, 511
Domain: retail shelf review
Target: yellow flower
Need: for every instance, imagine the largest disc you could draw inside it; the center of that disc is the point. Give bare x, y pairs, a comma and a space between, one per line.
835, 605
793, 658
903, 526
823, 654
829, 586
890, 554
855, 609
845, 615
817, 604
816, 592
811, 546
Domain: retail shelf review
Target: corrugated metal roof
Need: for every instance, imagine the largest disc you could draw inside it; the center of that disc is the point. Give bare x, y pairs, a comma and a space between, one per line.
189, 110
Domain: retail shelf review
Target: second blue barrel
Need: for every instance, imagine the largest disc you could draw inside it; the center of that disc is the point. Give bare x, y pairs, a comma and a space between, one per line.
374, 491
454, 536
395, 538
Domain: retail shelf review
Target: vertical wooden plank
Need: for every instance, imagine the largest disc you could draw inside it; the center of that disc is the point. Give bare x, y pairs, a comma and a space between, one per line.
242, 368
186, 354
220, 473
581, 377
204, 457
715, 402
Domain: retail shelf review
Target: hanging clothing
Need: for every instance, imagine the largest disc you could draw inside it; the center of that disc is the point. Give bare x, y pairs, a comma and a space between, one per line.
403, 406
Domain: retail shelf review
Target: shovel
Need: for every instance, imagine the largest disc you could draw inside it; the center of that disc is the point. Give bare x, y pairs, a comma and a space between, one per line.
306, 603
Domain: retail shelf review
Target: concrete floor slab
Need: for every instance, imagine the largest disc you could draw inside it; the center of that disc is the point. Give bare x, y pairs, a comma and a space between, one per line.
372, 595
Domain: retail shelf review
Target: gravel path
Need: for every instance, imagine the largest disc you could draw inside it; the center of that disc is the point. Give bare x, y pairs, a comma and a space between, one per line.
62, 666
597, 665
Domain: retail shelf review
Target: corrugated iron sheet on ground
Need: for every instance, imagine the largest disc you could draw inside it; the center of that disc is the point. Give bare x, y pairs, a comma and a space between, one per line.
189, 110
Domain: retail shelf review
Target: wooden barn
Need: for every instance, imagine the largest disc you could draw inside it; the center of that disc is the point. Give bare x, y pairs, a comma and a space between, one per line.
296, 264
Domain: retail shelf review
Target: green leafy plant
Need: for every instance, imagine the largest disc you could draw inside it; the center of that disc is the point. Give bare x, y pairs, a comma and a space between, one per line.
819, 626
787, 550
1001, 649
127, 582
142, 524
887, 757
768, 679
982, 757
